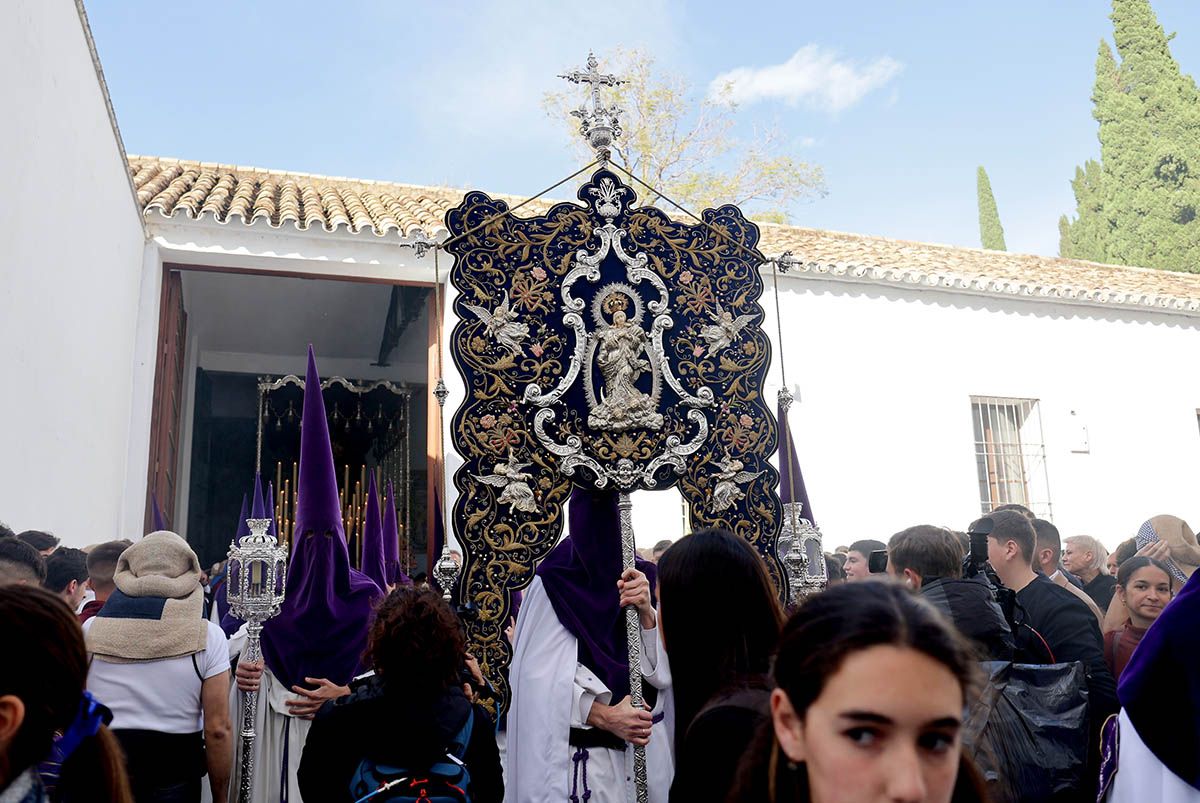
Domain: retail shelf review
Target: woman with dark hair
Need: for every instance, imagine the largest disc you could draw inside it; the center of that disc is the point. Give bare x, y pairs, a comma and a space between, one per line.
410, 722
720, 619
1144, 588
870, 688
42, 694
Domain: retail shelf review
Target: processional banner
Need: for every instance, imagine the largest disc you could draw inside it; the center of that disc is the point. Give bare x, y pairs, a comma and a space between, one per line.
606, 345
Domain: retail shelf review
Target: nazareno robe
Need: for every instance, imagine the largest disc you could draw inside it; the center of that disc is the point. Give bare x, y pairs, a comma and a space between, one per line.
550, 689
570, 651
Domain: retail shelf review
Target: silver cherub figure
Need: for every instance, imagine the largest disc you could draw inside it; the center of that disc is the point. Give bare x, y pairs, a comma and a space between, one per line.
724, 328
729, 478
513, 478
502, 325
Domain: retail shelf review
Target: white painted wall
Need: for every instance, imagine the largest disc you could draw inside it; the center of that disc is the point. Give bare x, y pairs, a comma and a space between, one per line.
71, 252
883, 424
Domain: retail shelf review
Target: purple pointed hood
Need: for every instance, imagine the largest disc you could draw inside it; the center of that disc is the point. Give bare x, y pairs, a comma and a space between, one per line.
269, 507
229, 622
258, 509
321, 631
243, 529
580, 577
791, 480
393, 573
373, 550
156, 515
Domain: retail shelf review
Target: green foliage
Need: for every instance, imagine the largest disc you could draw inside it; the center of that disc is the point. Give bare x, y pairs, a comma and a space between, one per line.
990, 230
1138, 205
685, 146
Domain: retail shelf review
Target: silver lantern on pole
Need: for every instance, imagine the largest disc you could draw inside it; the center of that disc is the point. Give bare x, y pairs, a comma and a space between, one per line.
445, 572
257, 579
800, 551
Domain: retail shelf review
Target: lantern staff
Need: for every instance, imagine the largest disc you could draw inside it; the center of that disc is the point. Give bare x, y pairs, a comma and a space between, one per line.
257, 579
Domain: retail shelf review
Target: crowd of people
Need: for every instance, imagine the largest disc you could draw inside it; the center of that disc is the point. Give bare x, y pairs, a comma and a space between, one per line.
901, 681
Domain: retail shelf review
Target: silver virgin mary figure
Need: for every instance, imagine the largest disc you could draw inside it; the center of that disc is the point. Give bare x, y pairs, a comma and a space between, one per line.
619, 347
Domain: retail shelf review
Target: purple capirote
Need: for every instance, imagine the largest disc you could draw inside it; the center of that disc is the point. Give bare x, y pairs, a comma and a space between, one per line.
391, 542
373, 550
791, 480
321, 630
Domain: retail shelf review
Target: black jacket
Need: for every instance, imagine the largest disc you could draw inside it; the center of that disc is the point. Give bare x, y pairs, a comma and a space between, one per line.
972, 607
715, 742
395, 729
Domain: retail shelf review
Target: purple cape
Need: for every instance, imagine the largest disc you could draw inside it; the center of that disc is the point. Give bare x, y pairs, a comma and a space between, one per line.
373, 550
580, 577
1160, 687
321, 631
791, 480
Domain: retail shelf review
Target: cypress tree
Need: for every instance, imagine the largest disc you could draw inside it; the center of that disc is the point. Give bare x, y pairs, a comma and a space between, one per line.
1138, 205
990, 230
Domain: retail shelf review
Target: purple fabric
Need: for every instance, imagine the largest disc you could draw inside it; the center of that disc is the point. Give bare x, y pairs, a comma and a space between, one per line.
229, 622
372, 563
243, 529
321, 631
393, 573
269, 507
156, 516
580, 577
258, 509
1160, 687
791, 480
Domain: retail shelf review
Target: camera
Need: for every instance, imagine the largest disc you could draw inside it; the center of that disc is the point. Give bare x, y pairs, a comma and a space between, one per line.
975, 561
877, 561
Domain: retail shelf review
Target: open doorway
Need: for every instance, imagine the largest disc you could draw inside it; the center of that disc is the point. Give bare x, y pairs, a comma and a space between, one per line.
244, 335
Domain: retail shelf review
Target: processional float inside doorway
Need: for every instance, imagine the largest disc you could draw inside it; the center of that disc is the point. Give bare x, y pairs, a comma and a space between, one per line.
377, 417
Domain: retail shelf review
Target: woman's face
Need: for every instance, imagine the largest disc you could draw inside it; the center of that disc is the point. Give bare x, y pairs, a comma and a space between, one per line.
1112, 564
1146, 594
884, 728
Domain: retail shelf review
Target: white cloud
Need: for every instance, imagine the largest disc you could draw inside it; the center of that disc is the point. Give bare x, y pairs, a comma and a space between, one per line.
813, 76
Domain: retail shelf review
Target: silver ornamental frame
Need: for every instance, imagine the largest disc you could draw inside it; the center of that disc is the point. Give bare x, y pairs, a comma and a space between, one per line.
254, 604
799, 533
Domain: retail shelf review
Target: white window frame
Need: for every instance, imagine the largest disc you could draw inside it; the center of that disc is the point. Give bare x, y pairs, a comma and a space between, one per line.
1010, 454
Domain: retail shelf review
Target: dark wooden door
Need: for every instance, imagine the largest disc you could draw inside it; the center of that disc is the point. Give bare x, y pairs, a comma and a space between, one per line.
168, 400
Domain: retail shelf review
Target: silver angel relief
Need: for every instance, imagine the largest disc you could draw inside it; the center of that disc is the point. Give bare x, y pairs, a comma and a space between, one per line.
729, 480
512, 477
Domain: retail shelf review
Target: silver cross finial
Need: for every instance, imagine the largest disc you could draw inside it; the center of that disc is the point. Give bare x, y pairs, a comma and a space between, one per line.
599, 125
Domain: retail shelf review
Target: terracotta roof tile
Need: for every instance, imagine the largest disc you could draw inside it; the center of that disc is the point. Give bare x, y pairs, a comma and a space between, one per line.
171, 187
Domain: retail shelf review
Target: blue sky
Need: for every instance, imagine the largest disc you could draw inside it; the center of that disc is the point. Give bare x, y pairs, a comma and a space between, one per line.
450, 93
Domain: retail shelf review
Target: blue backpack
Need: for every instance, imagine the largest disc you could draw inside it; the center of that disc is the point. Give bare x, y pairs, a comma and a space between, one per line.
445, 781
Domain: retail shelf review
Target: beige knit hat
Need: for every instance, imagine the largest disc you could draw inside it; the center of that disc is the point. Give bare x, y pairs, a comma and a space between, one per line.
157, 609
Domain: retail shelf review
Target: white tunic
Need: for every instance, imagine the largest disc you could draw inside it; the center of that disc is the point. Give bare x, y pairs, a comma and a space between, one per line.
276, 734
551, 693
1141, 777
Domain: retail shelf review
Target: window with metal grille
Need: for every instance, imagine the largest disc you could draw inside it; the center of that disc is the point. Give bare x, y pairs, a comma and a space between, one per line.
1010, 454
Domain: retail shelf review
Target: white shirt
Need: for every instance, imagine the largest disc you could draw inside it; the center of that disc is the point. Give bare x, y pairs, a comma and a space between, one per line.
161, 695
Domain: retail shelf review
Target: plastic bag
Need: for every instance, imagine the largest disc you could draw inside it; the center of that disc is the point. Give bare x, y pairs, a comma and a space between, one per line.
1028, 732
